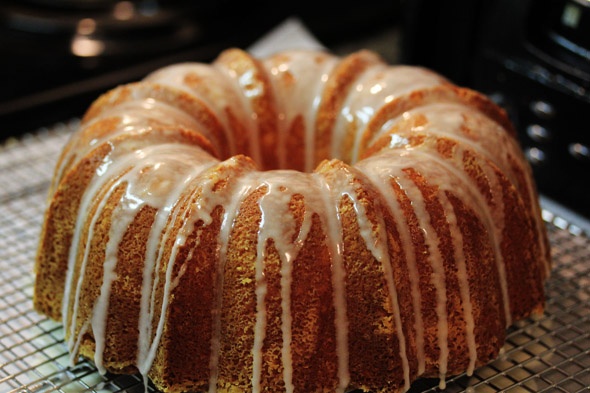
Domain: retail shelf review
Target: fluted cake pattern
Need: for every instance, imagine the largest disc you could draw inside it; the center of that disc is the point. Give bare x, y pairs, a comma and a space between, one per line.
300, 223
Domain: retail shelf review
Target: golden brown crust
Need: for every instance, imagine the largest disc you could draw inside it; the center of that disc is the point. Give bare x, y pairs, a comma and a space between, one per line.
56, 236
312, 309
484, 287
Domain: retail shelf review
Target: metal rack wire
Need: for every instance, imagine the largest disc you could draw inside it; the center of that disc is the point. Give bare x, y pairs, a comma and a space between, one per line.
551, 354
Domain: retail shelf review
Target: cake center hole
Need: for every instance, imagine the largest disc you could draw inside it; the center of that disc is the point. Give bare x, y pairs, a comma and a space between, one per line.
287, 153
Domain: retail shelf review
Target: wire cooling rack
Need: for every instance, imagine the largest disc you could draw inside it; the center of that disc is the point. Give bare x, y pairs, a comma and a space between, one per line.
551, 354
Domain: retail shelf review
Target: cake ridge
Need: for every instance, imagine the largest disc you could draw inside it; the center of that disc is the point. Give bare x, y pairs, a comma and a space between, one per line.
395, 210
431, 243
376, 243
128, 213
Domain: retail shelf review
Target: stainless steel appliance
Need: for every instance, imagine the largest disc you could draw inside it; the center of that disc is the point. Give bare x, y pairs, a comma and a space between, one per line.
532, 57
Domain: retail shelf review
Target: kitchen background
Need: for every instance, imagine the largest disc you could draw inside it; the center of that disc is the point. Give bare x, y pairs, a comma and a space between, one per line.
532, 57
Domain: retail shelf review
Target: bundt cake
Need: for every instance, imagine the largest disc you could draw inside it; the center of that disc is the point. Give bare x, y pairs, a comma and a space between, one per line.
300, 223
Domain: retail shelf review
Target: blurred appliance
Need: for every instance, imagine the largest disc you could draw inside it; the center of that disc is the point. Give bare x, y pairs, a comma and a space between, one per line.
533, 58
58, 55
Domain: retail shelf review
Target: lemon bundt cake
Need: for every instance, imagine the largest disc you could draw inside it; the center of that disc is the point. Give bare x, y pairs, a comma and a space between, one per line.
300, 223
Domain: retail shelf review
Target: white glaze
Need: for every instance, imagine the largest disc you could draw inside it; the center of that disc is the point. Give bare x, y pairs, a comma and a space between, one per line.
180, 173
333, 229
